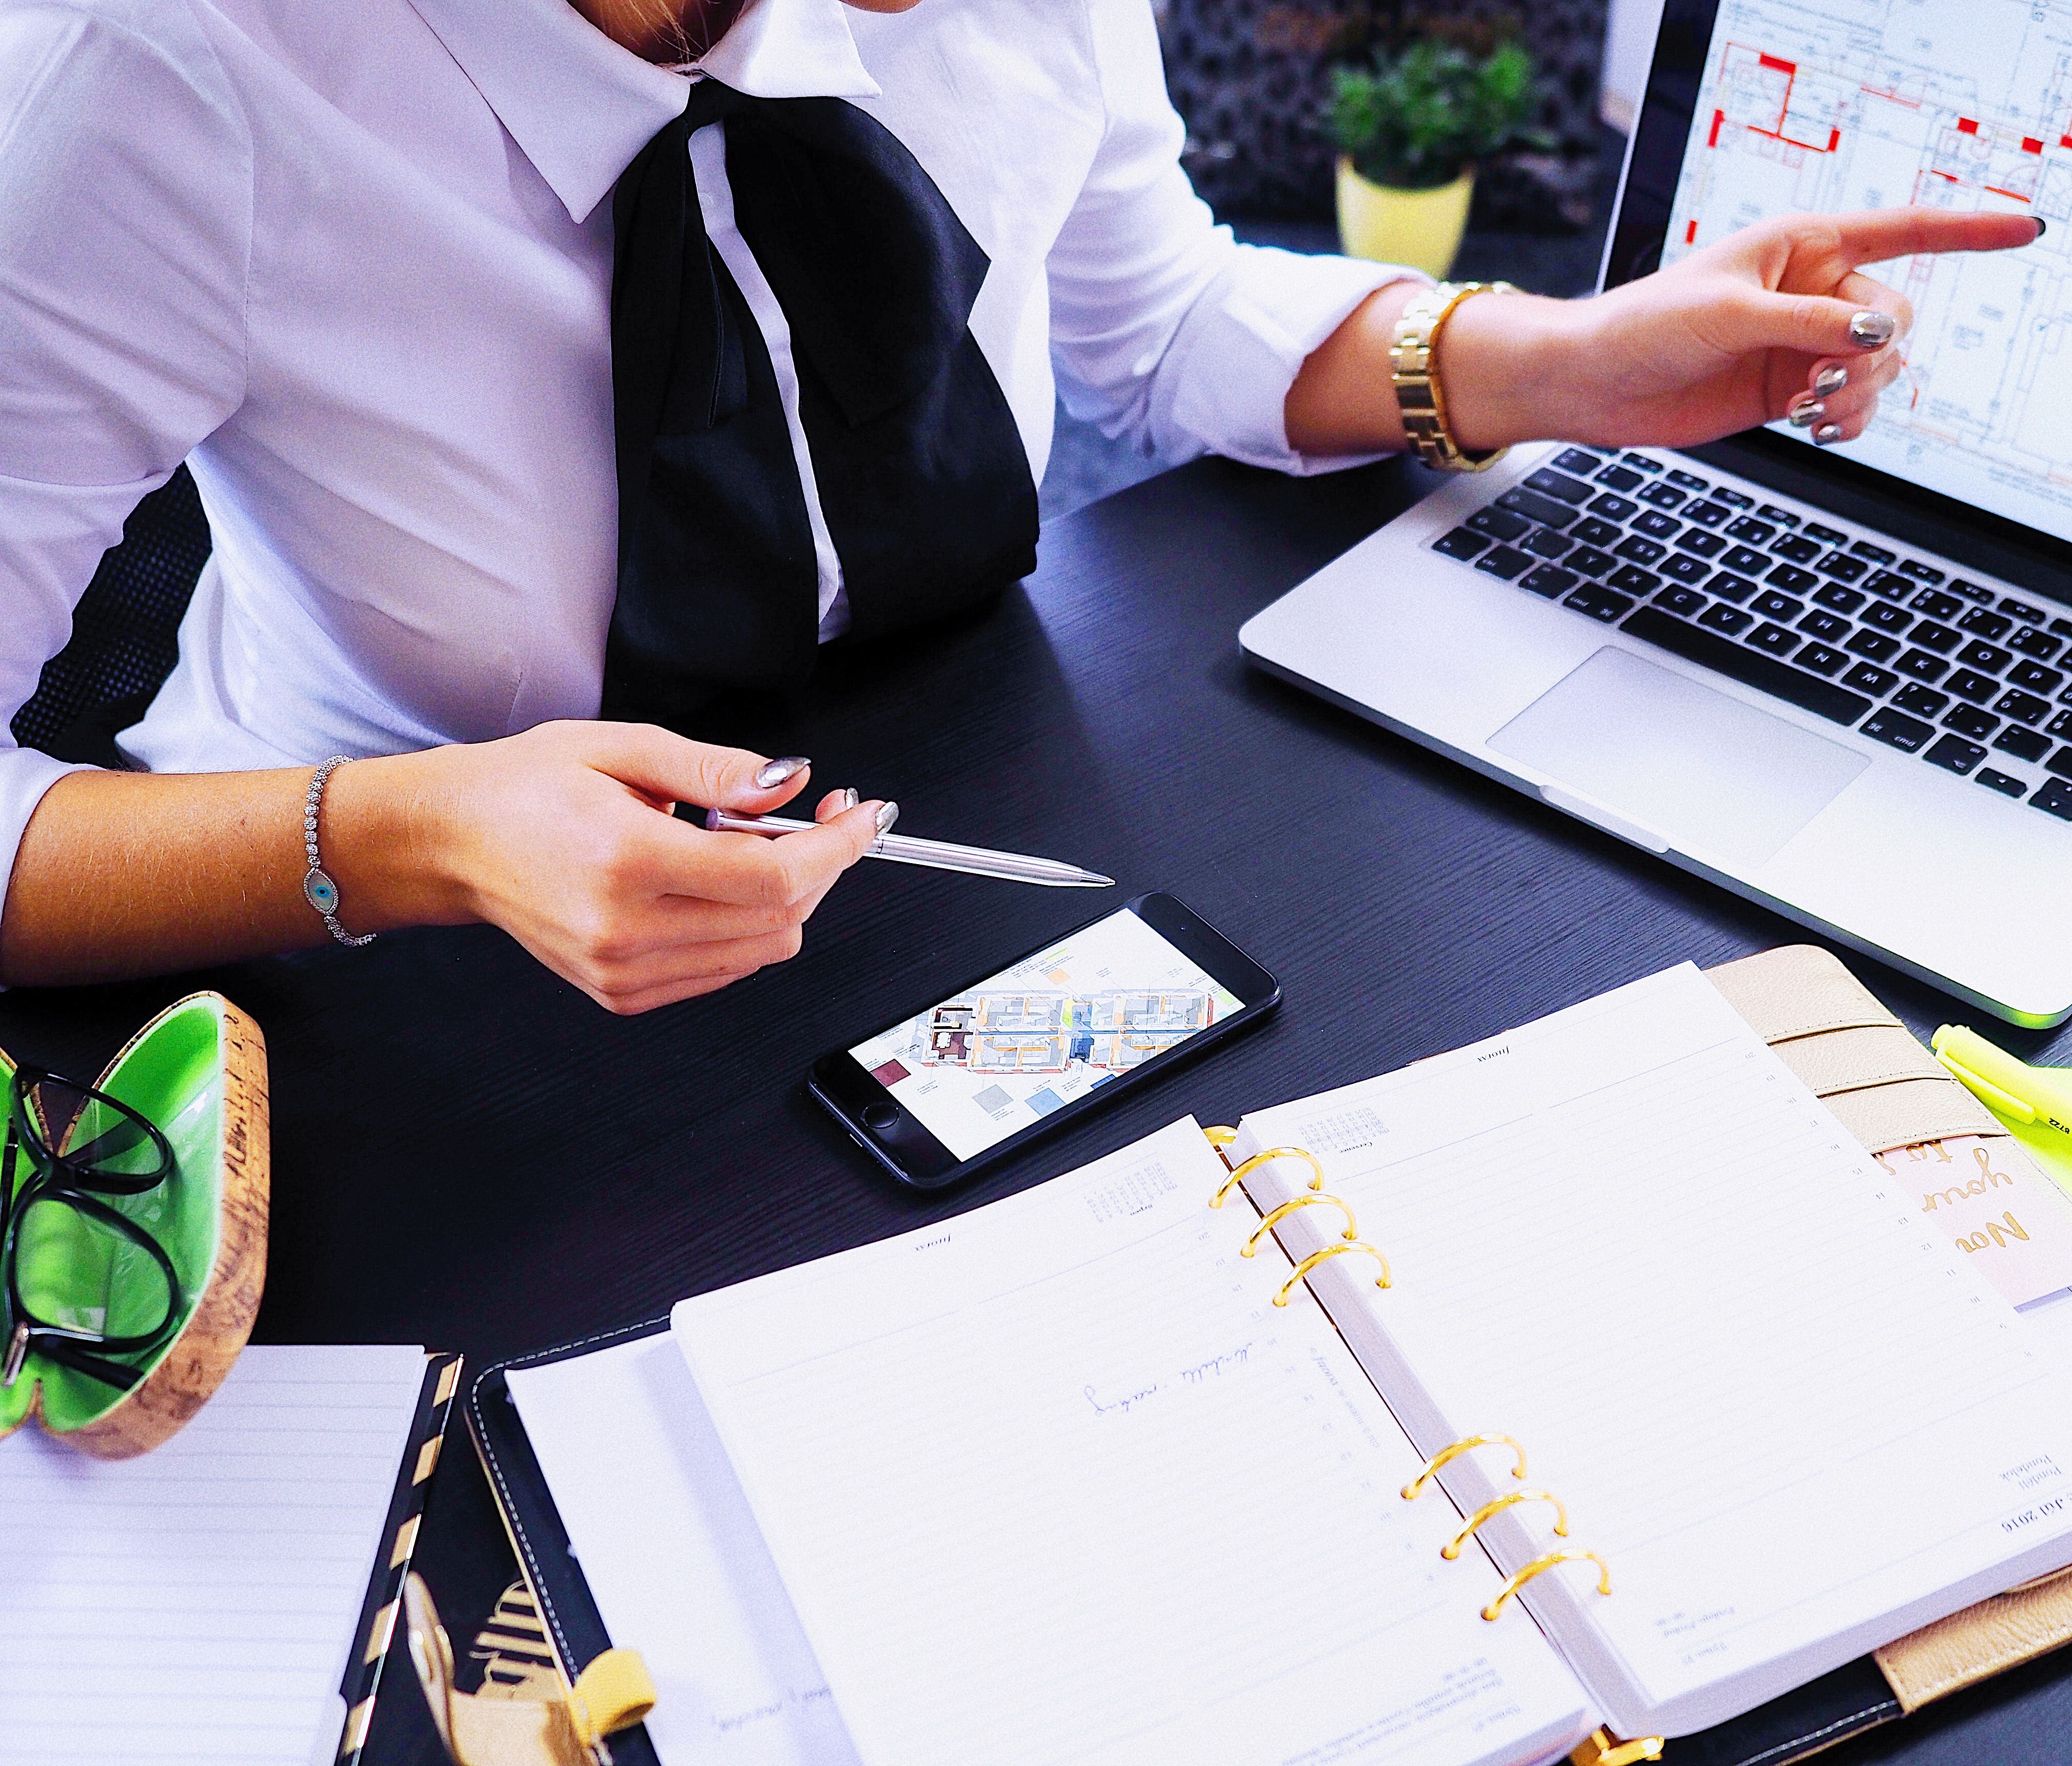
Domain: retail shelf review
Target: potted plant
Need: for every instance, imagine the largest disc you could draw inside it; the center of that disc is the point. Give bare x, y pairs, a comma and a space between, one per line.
1409, 129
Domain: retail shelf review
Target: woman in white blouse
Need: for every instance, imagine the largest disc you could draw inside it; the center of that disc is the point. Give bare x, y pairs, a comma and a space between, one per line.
354, 264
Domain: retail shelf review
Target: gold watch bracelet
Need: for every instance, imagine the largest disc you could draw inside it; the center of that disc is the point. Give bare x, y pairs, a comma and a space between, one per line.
1413, 360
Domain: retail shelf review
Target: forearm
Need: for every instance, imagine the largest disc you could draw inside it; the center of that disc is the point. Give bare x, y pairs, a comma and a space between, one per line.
124, 874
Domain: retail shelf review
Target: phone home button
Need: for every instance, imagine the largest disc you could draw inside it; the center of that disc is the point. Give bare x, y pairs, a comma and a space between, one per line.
880, 1117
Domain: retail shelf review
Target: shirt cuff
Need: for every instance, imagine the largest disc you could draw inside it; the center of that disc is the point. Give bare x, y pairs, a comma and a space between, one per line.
26, 773
1242, 344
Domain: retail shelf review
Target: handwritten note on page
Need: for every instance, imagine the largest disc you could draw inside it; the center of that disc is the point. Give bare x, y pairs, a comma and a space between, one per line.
198, 1603
1056, 1481
1794, 1416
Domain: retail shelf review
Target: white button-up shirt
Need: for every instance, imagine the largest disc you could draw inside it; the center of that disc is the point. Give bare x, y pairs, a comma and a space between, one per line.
353, 264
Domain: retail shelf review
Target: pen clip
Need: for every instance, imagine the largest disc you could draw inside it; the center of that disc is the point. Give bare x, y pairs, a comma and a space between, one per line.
2005, 1104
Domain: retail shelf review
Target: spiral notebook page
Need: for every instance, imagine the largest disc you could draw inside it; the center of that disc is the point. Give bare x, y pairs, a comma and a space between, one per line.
1055, 1481
1792, 1419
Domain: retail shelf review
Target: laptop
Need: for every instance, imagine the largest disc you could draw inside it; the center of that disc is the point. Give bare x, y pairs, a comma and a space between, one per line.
1837, 681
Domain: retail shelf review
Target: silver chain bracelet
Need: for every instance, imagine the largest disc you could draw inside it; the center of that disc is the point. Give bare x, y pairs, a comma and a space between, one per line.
318, 887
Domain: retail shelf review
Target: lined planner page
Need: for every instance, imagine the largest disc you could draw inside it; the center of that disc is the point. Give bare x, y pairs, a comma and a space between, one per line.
199, 1603
1055, 1481
1770, 1394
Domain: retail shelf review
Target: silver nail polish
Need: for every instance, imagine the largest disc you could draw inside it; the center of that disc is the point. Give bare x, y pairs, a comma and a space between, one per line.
886, 816
1830, 379
775, 772
1873, 330
1805, 415
1826, 432
849, 799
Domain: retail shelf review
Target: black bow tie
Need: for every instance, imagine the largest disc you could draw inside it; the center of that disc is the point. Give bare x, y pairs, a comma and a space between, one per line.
920, 469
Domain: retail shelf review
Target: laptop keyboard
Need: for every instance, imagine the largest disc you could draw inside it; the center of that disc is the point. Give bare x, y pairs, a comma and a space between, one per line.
1840, 623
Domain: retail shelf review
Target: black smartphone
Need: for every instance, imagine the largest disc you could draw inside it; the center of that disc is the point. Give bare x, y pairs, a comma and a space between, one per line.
939, 1092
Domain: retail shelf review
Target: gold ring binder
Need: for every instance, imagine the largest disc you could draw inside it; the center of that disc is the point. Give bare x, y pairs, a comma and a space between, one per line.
1451, 1549
1328, 1252
1466, 1444
1539, 1566
1219, 1138
1240, 1173
1266, 1226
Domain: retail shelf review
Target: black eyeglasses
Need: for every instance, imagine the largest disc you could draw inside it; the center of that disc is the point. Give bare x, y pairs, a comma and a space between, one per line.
107, 1149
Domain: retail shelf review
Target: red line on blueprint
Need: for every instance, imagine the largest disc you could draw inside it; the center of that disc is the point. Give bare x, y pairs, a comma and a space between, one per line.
1833, 139
1691, 232
1781, 67
2012, 196
1719, 116
1968, 125
2031, 144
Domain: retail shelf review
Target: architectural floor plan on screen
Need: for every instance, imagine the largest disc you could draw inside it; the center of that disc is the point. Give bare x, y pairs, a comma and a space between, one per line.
992, 1060
1841, 104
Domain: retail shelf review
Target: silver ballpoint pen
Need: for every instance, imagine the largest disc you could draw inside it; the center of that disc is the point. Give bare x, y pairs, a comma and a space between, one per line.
937, 855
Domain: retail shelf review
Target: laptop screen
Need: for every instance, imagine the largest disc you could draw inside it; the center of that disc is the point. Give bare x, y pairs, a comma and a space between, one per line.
1757, 108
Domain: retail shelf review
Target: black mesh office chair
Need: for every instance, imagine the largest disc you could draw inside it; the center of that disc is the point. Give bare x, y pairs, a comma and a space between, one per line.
124, 632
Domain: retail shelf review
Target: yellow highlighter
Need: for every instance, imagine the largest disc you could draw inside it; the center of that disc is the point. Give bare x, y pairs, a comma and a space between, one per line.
2038, 1097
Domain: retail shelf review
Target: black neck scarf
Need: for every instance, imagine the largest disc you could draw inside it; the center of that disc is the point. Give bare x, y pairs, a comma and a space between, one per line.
922, 474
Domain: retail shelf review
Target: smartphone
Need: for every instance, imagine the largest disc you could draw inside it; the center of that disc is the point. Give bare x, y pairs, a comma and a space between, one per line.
972, 1078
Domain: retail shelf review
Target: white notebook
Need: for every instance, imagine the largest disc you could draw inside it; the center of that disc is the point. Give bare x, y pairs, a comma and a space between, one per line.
1056, 1481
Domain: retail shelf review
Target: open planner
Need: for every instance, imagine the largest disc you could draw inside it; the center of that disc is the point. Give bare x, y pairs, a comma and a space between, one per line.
1592, 1385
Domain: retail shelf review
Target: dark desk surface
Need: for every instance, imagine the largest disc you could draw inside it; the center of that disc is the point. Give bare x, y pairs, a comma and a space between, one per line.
470, 1155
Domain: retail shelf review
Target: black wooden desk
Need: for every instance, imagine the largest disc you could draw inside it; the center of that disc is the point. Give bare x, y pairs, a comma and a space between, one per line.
470, 1155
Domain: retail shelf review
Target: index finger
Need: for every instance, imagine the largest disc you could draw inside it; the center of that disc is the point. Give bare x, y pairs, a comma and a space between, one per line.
1871, 235
751, 870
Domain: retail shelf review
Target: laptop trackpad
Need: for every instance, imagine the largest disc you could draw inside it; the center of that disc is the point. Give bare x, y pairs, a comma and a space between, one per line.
1715, 778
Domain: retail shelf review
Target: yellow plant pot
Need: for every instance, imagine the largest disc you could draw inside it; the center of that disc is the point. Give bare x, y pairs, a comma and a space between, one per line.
1419, 227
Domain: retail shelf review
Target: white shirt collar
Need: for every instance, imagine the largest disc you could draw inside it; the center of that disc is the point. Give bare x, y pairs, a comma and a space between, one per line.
580, 107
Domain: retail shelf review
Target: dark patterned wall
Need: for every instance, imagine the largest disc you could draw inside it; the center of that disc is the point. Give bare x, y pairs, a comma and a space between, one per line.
1251, 76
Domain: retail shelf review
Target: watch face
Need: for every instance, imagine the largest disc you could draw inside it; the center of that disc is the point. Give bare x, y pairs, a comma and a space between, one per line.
322, 893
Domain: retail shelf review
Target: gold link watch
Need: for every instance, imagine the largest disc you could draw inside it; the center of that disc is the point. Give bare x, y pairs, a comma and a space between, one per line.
1411, 356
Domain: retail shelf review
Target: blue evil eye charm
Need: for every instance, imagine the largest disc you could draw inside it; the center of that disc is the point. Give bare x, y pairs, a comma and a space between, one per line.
322, 892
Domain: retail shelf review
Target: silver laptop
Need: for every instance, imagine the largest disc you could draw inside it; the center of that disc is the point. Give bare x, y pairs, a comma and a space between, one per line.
1836, 681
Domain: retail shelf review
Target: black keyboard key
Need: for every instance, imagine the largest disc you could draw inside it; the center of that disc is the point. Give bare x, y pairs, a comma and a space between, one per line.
2025, 706
1883, 582
1796, 547
1600, 604
1706, 515
1642, 460
1613, 508
1654, 524
1831, 537
1685, 603
1530, 502
1751, 532
1988, 658
1877, 682
1619, 478
1967, 683
1969, 720
2061, 627
2060, 763
1844, 600
1559, 485
1575, 460
1822, 659
1875, 645
1588, 562
1746, 560
1459, 544
1993, 781
1922, 665
1920, 572
1630, 579
2060, 726
1981, 623
1733, 500
1639, 549
1907, 734
1784, 518
1936, 604
1720, 617
1551, 580
1706, 545
1773, 605
2023, 611
1922, 701
1729, 587
1697, 643
1820, 623
2031, 642
1680, 567
2055, 796
2028, 744
1689, 480
1942, 640
1545, 543
1594, 532
1505, 561
1842, 567
1864, 549
1955, 753
1972, 591
1774, 640
1662, 496
1792, 578
1883, 616
1499, 523
2035, 678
